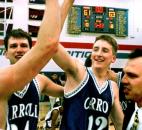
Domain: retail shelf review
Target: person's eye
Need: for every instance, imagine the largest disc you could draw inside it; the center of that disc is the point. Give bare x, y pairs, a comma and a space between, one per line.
131, 75
13, 46
95, 49
24, 45
105, 50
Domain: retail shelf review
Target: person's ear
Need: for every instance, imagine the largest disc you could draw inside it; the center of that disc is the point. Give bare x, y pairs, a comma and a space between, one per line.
113, 59
5, 54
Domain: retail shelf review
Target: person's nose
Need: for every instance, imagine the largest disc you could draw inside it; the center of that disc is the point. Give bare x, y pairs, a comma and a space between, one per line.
19, 49
99, 52
124, 79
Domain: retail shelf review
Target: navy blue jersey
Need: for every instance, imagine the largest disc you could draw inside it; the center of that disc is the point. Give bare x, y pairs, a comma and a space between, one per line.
23, 108
88, 107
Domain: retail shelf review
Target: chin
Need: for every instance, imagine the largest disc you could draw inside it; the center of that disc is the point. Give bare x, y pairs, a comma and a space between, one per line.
97, 66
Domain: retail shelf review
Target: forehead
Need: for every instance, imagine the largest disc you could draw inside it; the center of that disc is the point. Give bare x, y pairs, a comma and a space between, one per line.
13, 40
102, 43
134, 65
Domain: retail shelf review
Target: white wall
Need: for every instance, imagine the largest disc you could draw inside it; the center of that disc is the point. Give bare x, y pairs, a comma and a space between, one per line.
134, 23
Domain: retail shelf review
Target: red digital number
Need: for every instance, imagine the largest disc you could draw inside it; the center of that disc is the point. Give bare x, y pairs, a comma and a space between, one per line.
99, 9
99, 25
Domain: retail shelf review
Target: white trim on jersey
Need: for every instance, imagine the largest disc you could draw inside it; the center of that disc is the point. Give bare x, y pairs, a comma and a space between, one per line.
37, 86
103, 87
77, 89
21, 93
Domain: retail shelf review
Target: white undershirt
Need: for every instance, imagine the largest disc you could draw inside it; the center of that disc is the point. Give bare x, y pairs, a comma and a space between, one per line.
139, 117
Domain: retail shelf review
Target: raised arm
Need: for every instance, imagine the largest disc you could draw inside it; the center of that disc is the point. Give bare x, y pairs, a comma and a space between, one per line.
62, 58
66, 6
116, 112
31, 63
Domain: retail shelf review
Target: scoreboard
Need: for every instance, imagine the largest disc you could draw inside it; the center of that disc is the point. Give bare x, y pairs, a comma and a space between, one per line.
98, 20
74, 20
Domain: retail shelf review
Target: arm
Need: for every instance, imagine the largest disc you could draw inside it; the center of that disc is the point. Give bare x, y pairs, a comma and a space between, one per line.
48, 87
116, 112
54, 115
33, 61
66, 6
68, 63
3, 108
73, 68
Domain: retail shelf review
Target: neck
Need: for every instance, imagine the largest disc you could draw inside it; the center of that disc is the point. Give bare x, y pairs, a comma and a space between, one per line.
101, 76
100, 73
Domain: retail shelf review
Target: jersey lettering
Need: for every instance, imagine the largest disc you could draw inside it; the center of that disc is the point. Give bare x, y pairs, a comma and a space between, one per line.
101, 122
22, 110
96, 104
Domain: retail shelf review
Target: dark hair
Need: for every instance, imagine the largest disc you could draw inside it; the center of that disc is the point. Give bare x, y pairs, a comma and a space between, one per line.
63, 77
135, 53
110, 40
17, 33
88, 61
57, 104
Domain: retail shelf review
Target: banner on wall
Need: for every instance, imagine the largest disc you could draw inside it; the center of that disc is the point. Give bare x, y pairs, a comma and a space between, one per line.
81, 54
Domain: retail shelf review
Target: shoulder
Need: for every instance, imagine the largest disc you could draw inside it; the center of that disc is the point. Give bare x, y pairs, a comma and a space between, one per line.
113, 84
115, 88
42, 80
40, 76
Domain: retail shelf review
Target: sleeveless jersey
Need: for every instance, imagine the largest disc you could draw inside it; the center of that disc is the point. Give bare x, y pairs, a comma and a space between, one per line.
23, 108
88, 107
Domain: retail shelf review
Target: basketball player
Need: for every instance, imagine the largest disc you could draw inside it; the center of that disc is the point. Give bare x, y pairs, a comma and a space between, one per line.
117, 77
23, 105
89, 96
16, 76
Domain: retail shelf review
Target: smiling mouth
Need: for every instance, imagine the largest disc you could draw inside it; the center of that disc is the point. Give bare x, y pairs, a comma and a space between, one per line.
19, 56
99, 60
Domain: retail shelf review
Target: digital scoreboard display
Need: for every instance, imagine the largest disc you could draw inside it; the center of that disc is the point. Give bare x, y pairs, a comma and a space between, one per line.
100, 20
74, 21
86, 17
